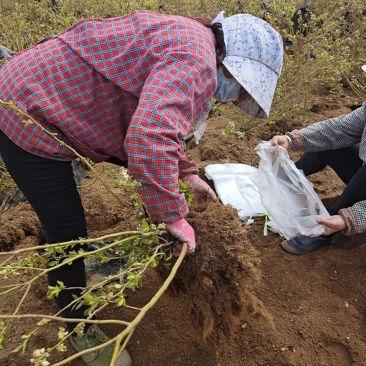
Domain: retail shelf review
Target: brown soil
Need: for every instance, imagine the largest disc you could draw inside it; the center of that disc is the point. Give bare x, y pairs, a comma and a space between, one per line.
239, 299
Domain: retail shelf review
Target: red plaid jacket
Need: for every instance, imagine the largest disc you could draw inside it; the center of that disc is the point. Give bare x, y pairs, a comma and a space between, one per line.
129, 87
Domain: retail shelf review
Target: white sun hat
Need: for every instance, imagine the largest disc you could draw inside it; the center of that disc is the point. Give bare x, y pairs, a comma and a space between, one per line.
254, 56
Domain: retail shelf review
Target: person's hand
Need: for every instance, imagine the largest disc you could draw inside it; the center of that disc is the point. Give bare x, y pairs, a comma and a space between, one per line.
280, 140
184, 233
332, 224
201, 190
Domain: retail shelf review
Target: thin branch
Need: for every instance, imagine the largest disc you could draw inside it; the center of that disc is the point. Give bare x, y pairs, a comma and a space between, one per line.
119, 349
61, 319
22, 299
83, 241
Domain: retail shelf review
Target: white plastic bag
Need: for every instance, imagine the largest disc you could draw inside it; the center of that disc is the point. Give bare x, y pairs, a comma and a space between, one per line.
237, 185
287, 194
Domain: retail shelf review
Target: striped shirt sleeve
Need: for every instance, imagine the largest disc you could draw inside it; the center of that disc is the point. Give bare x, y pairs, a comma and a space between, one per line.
335, 133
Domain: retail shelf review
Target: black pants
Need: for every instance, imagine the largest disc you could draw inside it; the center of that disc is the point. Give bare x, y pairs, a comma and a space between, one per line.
50, 188
348, 166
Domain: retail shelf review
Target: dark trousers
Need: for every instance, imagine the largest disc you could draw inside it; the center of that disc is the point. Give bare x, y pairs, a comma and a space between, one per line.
347, 165
50, 188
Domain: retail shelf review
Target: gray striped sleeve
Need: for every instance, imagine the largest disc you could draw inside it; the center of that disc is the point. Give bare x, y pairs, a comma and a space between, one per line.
335, 133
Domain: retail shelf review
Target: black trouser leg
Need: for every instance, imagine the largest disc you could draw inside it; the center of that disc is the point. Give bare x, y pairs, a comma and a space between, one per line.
347, 165
345, 162
50, 188
353, 193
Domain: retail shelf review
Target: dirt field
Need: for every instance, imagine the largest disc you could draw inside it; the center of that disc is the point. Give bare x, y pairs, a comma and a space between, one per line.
239, 299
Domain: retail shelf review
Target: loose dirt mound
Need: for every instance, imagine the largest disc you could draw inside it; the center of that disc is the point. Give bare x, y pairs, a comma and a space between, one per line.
16, 224
223, 269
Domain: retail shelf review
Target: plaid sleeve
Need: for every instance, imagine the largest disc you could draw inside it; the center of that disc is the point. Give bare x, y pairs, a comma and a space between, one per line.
335, 133
175, 93
186, 167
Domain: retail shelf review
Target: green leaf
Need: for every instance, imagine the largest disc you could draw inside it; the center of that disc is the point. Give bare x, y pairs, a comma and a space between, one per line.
53, 291
154, 263
121, 300
61, 348
27, 122
2, 335
62, 333
265, 229
145, 227
26, 338
185, 188
52, 263
89, 298
116, 287
43, 321
2, 340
